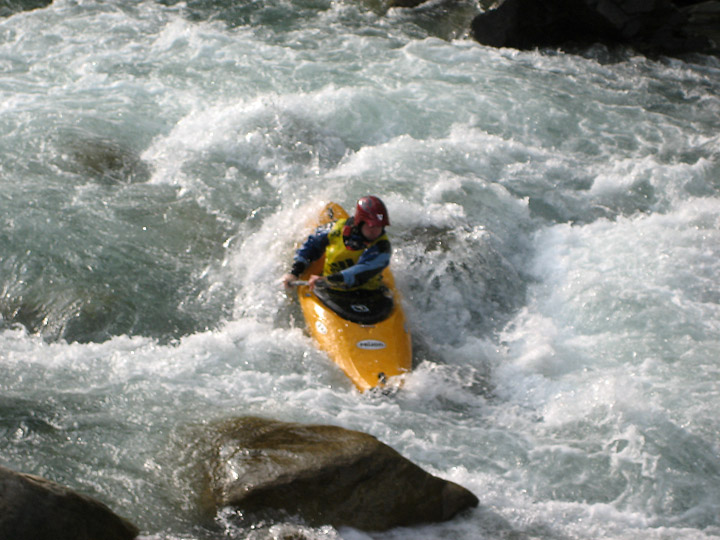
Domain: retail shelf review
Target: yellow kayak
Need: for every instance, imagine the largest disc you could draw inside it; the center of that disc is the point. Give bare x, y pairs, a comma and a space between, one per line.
363, 333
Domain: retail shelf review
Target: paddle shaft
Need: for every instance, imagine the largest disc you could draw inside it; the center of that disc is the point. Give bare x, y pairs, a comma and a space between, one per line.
300, 282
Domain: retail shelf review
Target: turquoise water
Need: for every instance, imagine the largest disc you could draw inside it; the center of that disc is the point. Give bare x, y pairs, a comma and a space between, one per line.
556, 233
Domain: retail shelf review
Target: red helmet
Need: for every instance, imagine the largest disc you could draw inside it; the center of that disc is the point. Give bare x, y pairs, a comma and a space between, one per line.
372, 211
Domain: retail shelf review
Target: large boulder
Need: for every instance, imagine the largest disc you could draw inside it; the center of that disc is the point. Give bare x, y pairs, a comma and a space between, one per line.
33, 508
326, 475
651, 26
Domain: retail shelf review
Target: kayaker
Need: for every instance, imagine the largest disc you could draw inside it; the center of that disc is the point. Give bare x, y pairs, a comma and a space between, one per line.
356, 250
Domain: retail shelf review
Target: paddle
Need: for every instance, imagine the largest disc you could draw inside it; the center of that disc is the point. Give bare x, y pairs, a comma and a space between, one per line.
299, 282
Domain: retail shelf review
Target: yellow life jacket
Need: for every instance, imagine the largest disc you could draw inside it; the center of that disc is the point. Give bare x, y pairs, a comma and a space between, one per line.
338, 257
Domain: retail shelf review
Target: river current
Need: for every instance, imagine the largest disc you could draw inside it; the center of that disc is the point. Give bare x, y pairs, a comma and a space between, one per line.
556, 235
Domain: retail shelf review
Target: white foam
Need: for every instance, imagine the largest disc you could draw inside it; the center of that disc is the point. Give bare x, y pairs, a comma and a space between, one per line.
571, 198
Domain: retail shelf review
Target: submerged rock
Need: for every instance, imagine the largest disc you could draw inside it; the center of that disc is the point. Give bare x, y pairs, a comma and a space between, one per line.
34, 508
327, 475
106, 161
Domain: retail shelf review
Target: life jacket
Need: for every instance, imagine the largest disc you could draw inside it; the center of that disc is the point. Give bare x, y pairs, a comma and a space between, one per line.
338, 256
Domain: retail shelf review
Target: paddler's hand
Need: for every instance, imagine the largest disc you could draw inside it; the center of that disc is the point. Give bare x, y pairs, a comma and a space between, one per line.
316, 281
288, 280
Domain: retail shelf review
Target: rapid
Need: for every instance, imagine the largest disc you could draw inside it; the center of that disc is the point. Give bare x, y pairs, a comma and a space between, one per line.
556, 238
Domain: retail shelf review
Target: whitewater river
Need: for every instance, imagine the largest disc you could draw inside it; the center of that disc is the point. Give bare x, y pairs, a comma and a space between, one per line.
556, 234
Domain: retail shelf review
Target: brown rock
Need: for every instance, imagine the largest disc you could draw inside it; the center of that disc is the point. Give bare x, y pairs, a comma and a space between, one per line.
327, 475
33, 508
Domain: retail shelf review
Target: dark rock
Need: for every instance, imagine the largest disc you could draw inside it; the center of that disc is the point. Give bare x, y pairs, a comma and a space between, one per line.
405, 3
526, 24
10, 7
687, 2
651, 26
33, 508
327, 475
704, 20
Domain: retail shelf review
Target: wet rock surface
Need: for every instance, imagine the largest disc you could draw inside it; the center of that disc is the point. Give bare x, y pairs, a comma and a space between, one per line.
326, 475
33, 508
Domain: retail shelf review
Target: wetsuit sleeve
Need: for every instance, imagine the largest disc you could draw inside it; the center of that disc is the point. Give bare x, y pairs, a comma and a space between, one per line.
373, 261
312, 249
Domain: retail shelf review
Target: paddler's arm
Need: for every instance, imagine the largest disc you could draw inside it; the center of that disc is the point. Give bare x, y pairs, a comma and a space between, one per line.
312, 249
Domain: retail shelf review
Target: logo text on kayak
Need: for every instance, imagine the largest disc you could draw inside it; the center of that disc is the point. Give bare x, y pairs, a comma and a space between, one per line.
371, 344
